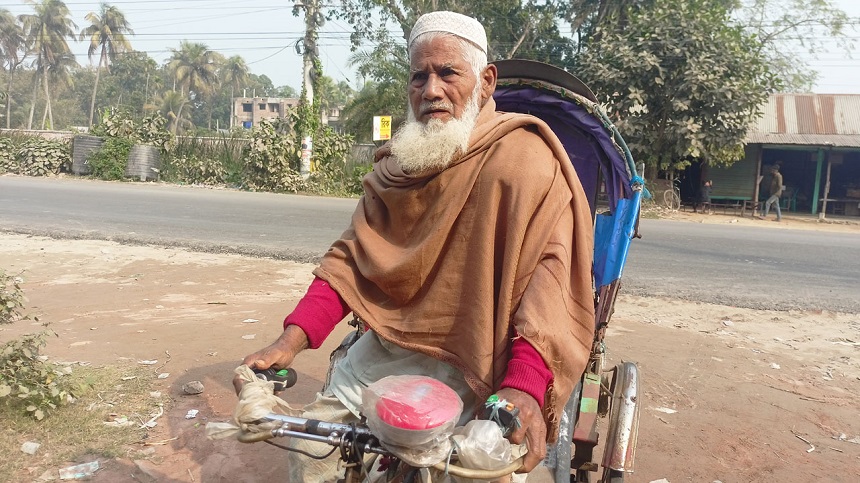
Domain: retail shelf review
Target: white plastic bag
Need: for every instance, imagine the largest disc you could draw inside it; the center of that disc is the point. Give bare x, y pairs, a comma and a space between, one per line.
413, 417
480, 445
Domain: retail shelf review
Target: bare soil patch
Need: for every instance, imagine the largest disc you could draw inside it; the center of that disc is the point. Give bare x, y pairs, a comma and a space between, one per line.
728, 392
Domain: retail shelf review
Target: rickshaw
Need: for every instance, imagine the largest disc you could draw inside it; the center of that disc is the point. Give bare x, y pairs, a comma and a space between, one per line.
614, 190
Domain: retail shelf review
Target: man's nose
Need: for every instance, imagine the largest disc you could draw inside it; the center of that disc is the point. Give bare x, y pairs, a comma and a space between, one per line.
433, 88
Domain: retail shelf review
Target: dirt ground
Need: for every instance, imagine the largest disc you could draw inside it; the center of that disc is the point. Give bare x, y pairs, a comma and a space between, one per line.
728, 393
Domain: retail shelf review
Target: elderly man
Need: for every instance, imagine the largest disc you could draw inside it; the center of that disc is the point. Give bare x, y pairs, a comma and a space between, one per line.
468, 257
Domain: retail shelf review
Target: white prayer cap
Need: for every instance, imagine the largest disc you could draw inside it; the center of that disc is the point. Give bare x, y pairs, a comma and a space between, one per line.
460, 25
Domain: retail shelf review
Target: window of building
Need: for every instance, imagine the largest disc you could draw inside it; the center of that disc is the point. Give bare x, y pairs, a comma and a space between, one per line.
262, 107
274, 108
247, 107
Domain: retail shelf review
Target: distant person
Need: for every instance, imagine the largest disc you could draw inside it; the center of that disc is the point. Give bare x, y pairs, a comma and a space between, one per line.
775, 193
703, 199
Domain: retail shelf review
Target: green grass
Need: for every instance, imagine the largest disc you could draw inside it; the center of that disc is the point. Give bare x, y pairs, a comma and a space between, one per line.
75, 430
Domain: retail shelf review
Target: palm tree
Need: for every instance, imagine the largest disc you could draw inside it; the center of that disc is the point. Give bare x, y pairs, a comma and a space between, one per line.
234, 72
46, 31
193, 68
173, 106
107, 33
12, 52
60, 73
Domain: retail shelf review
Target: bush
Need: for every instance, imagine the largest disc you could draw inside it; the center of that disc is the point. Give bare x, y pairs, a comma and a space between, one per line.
192, 169
269, 157
151, 130
332, 175
30, 382
11, 299
27, 380
41, 157
8, 163
215, 159
110, 160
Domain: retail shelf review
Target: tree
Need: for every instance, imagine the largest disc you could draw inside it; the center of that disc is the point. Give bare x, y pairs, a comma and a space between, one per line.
60, 74
387, 71
785, 27
286, 92
46, 31
586, 16
107, 34
333, 95
173, 105
193, 68
133, 79
523, 29
680, 82
233, 72
260, 85
12, 52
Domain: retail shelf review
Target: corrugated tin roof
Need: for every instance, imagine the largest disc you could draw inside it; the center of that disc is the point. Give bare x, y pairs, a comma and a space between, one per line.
815, 119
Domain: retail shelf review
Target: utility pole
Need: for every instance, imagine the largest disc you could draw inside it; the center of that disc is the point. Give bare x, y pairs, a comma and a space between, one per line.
310, 53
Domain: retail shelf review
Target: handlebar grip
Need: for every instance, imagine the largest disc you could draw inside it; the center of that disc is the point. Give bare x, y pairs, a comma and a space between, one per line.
283, 378
503, 413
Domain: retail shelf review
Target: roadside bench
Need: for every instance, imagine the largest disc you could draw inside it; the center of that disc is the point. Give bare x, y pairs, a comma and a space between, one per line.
842, 206
739, 205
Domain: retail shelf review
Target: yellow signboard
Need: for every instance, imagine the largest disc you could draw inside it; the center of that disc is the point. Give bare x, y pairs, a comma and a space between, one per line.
381, 128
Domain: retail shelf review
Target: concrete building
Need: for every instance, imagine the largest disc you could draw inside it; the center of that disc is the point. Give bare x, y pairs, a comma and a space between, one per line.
249, 111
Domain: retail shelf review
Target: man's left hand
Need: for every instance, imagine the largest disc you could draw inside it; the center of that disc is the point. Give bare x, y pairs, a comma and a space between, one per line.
532, 428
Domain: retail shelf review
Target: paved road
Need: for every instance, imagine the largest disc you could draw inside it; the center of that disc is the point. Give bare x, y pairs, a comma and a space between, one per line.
754, 267
746, 266
218, 220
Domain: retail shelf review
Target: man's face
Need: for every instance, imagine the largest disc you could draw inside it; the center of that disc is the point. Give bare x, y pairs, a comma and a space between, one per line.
440, 81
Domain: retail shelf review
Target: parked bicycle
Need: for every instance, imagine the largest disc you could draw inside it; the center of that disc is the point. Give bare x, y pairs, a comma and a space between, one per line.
672, 197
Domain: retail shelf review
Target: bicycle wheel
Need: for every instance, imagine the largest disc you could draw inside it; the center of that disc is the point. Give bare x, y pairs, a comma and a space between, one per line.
672, 200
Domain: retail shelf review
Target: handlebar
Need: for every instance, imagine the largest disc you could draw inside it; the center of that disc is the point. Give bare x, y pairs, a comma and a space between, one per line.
337, 434
340, 434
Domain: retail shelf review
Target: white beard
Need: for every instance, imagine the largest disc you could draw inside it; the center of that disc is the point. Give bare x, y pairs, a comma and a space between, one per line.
419, 147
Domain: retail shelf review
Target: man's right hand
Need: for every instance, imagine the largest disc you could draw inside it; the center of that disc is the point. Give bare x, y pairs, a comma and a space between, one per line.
279, 354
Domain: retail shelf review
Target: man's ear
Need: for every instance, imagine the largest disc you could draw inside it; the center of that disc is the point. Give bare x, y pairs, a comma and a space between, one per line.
488, 82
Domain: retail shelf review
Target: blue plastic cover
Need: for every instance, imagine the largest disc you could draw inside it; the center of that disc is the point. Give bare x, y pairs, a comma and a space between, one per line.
612, 235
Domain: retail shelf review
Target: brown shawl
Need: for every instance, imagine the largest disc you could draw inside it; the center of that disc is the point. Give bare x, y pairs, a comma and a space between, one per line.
452, 263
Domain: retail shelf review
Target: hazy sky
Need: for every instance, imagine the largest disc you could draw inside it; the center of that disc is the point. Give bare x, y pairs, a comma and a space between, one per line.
264, 33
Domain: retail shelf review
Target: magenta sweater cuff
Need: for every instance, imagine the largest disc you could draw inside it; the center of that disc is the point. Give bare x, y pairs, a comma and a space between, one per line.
320, 310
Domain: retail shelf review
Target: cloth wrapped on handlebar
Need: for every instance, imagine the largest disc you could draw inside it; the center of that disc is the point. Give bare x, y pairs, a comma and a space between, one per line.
256, 400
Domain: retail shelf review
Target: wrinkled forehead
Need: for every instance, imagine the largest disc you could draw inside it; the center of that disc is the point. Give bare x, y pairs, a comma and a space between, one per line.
437, 50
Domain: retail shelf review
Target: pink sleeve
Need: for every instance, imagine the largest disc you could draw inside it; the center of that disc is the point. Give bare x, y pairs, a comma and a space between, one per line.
318, 312
527, 371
